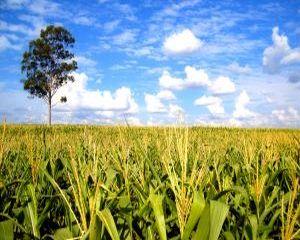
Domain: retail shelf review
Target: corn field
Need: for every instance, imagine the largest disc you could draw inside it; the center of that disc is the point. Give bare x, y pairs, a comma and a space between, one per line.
87, 182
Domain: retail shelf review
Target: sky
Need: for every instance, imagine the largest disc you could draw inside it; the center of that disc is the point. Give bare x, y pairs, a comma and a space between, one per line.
197, 62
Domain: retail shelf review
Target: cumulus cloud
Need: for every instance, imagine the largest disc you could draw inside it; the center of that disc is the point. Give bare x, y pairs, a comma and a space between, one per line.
176, 111
222, 85
81, 98
279, 53
182, 43
194, 78
157, 103
154, 104
212, 103
289, 115
292, 57
237, 68
166, 95
241, 110
168, 82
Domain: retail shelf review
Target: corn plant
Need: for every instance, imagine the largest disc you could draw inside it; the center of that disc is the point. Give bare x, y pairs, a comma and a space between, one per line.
89, 182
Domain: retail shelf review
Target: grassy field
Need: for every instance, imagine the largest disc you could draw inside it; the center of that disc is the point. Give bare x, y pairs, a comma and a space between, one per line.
87, 182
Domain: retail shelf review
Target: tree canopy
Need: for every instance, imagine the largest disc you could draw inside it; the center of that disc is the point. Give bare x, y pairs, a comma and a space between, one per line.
48, 63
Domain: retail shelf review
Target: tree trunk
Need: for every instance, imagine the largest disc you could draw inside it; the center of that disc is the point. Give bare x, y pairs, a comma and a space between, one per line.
49, 111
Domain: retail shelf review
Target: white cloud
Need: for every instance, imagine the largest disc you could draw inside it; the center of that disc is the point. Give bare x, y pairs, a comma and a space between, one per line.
125, 9
194, 78
222, 85
143, 51
287, 116
166, 95
44, 7
280, 53
174, 9
85, 61
81, 98
133, 121
111, 26
13, 4
232, 122
155, 122
241, 110
154, 104
19, 28
213, 104
292, 57
83, 20
127, 36
236, 68
182, 43
30, 32
5, 43
168, 82
105, 114
176, 111
206, 100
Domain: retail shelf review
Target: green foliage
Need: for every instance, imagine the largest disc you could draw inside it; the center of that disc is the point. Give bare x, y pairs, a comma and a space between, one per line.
157, 206
88, 182
109, 223
62, 234
7, 230
48, 63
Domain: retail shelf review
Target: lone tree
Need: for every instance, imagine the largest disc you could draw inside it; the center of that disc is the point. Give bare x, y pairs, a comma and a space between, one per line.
48, 63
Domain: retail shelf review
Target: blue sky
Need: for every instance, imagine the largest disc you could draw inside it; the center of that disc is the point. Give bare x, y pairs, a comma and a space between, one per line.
161, 62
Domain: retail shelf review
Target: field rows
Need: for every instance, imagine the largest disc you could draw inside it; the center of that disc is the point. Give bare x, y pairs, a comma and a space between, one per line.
89, 182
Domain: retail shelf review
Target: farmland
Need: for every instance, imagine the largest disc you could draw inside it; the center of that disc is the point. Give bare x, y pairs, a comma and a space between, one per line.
149, 183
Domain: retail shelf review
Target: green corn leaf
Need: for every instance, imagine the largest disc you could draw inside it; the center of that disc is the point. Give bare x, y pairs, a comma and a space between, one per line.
211, 221
270, 226
195, 213
228, 236
95, 229
202, 231
64, 197
126, 209
109, 223
254, 226
31, 211
7, 230
218, 213
150, 234
110, 176
62, 234
156, 203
